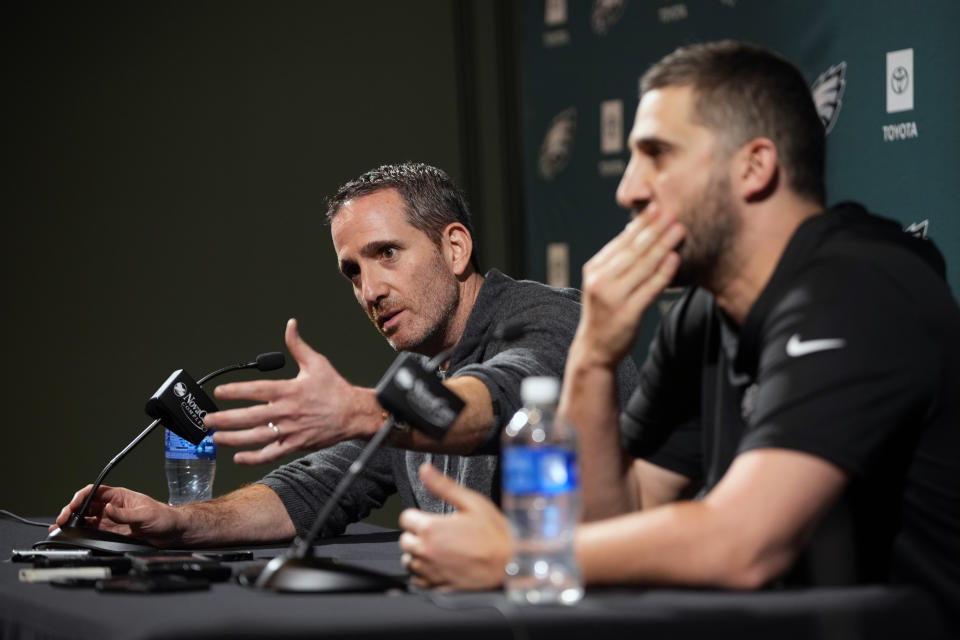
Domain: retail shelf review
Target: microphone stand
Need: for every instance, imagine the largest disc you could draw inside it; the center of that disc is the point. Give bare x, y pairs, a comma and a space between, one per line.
298, 570
76, 534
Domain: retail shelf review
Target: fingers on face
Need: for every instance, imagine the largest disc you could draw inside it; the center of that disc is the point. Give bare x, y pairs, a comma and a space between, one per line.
642, 235
649, 262
653, 222
637, 260
616, 244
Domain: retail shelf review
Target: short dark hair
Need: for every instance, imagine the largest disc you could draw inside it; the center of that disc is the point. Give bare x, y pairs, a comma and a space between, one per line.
743, 92
432, 199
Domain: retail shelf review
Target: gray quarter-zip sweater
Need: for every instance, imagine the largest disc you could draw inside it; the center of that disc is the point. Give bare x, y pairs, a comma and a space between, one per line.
548, 316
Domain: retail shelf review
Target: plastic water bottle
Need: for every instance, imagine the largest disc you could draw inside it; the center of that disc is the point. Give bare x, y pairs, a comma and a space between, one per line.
190, 468
541, 498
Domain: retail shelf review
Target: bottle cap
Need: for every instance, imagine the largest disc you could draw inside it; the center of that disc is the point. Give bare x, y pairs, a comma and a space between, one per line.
539, 390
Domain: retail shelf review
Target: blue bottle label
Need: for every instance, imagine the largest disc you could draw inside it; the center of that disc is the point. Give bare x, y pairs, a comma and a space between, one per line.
539, 470
180, 449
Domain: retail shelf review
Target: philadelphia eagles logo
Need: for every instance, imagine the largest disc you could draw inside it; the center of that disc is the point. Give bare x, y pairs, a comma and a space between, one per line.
918, 229
605, 14
558, 143
827, 93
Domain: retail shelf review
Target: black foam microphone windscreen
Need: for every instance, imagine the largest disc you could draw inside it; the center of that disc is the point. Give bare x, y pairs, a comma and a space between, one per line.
270, 361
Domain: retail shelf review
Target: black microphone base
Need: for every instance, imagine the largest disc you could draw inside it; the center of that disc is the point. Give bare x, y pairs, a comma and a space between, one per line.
315, 575
70, 537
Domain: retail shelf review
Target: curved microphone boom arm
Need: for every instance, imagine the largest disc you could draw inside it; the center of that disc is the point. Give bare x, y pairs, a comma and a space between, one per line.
76, 534
410, 392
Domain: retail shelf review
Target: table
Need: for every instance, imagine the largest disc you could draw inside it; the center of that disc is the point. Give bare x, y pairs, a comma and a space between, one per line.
228, 610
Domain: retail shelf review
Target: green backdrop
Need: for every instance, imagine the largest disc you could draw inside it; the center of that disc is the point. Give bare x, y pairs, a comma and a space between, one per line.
894, 127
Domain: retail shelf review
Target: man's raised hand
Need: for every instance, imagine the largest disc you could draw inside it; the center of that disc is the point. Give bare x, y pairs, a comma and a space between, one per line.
316, 409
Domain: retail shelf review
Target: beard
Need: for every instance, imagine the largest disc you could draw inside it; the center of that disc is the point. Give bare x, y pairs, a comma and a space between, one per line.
712, 224
432, 305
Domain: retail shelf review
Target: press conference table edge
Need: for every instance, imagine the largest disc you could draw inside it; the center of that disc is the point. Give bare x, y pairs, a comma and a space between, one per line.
229, 610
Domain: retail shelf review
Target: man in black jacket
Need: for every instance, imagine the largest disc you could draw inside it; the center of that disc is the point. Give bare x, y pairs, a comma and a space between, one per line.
813, 365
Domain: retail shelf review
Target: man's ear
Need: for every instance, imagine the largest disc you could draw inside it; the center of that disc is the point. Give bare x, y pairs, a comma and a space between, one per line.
457, 247
757, 170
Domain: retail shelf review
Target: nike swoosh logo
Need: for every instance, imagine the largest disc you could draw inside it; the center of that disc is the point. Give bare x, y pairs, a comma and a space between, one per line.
797, 347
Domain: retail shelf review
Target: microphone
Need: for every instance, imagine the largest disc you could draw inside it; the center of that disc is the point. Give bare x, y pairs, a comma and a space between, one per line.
264, 362
410, 391
180, 404
414, 395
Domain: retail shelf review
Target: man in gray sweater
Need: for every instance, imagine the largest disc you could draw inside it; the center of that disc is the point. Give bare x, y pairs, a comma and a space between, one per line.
403, 239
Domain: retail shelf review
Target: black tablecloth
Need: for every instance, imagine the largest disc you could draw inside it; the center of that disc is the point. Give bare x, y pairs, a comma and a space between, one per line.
228, 610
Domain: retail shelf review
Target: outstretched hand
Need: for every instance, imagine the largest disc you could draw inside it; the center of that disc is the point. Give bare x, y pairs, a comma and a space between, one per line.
622, 280
126, 512
312, 411
468, 549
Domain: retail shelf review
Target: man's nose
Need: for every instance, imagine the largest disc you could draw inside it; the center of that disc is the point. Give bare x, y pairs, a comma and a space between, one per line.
634, 191
373, 288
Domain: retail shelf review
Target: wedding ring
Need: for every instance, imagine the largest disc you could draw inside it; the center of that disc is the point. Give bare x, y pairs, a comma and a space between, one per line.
275, 428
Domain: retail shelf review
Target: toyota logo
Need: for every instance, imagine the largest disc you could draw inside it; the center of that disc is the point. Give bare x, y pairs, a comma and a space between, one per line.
899, 80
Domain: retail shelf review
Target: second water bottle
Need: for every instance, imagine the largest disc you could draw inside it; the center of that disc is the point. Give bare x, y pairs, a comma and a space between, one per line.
541, 498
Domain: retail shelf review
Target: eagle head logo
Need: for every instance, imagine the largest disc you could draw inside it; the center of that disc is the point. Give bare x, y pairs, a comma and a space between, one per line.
558, 143
827, 93
918, 229
605, 14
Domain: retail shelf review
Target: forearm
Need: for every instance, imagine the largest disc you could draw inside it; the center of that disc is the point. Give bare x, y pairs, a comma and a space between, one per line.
470, 430
746, 531
251, 514
589, 401
678, 544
